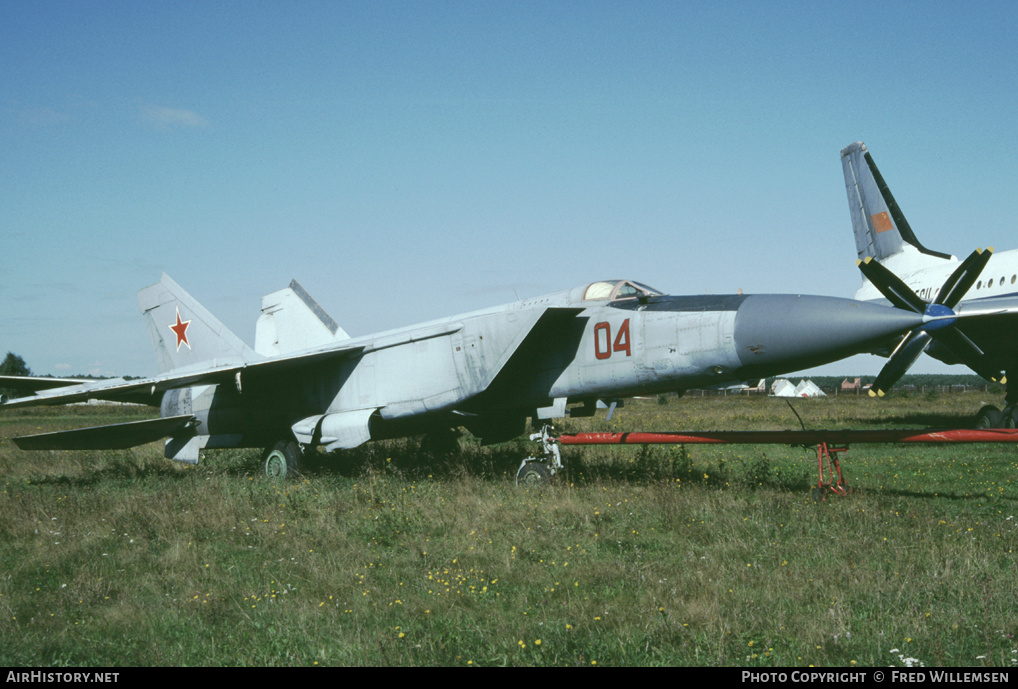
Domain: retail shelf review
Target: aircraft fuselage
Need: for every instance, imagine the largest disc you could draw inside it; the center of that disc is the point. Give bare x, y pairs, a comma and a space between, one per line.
489, 370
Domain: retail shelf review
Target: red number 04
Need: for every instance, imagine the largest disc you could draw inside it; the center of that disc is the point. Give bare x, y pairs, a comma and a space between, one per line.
603, 344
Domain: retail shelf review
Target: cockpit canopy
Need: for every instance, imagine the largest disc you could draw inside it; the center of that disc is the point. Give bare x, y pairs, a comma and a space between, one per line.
615, 290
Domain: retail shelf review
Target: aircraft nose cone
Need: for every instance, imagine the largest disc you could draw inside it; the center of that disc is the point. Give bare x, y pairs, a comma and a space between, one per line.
779, 332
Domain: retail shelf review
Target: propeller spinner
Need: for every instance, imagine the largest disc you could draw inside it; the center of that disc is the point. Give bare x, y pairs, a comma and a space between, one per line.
941, 324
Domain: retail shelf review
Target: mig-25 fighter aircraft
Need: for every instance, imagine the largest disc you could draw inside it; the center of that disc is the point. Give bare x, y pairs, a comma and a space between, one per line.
308, 384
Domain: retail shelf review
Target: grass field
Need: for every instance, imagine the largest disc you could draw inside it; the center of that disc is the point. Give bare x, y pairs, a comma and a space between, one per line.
636, 556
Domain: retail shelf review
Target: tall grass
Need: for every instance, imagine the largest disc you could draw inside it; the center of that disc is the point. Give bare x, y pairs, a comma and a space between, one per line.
635, 556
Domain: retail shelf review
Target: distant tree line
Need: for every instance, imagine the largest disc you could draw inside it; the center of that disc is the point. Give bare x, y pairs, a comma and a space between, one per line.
909, 384
916, 380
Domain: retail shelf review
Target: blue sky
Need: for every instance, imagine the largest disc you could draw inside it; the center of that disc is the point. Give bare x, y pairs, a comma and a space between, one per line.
412, 160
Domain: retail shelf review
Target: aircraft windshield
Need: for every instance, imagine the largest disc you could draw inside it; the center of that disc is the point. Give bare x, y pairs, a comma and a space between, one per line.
617, 289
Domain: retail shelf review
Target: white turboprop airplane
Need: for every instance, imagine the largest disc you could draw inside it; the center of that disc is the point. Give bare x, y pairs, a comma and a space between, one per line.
898, 268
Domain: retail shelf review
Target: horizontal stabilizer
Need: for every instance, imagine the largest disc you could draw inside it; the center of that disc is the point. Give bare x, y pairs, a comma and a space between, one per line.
113, 437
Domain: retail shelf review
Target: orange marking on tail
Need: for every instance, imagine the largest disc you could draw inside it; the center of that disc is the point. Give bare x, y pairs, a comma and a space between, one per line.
882, 222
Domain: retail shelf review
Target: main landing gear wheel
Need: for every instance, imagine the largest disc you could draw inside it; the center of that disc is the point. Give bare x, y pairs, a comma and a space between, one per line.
989, 417
532, 474
282, 460
1009, 417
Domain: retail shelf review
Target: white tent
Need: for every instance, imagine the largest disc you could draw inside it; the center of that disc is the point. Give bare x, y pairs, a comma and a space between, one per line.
783, 388
807, 388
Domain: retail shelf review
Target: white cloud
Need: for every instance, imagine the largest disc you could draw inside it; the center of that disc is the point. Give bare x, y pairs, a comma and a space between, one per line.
172, 118
100, 368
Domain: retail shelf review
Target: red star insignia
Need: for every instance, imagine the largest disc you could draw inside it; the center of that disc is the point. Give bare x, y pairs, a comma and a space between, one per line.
180, 330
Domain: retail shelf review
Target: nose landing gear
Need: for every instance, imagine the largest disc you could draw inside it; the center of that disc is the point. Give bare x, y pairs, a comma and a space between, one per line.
537, 470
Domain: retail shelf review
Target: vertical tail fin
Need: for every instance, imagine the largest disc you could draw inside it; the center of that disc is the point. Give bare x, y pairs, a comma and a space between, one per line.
881, 230
292, 320
183, 332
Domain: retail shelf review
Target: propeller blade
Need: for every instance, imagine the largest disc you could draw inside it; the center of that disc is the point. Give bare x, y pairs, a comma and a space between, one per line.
900, 361
891, 286
963, 277
968, 353
941, 325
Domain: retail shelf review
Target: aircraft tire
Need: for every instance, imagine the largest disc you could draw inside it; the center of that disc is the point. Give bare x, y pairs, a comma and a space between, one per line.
989, 417
532, 474
283, 460
1009, 417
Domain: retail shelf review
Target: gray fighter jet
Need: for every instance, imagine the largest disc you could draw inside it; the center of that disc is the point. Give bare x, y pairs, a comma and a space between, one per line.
308, 384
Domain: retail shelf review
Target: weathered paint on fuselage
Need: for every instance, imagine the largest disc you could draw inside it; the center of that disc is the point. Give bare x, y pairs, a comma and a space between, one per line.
532, 357
620, 351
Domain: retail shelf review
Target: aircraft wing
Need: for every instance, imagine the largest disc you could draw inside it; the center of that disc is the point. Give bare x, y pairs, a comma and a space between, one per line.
233, 371
149, 390
116, 436
991, 324
989, 307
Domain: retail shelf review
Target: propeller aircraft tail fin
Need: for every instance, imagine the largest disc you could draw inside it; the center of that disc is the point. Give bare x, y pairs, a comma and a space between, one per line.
881, 230
184, 333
